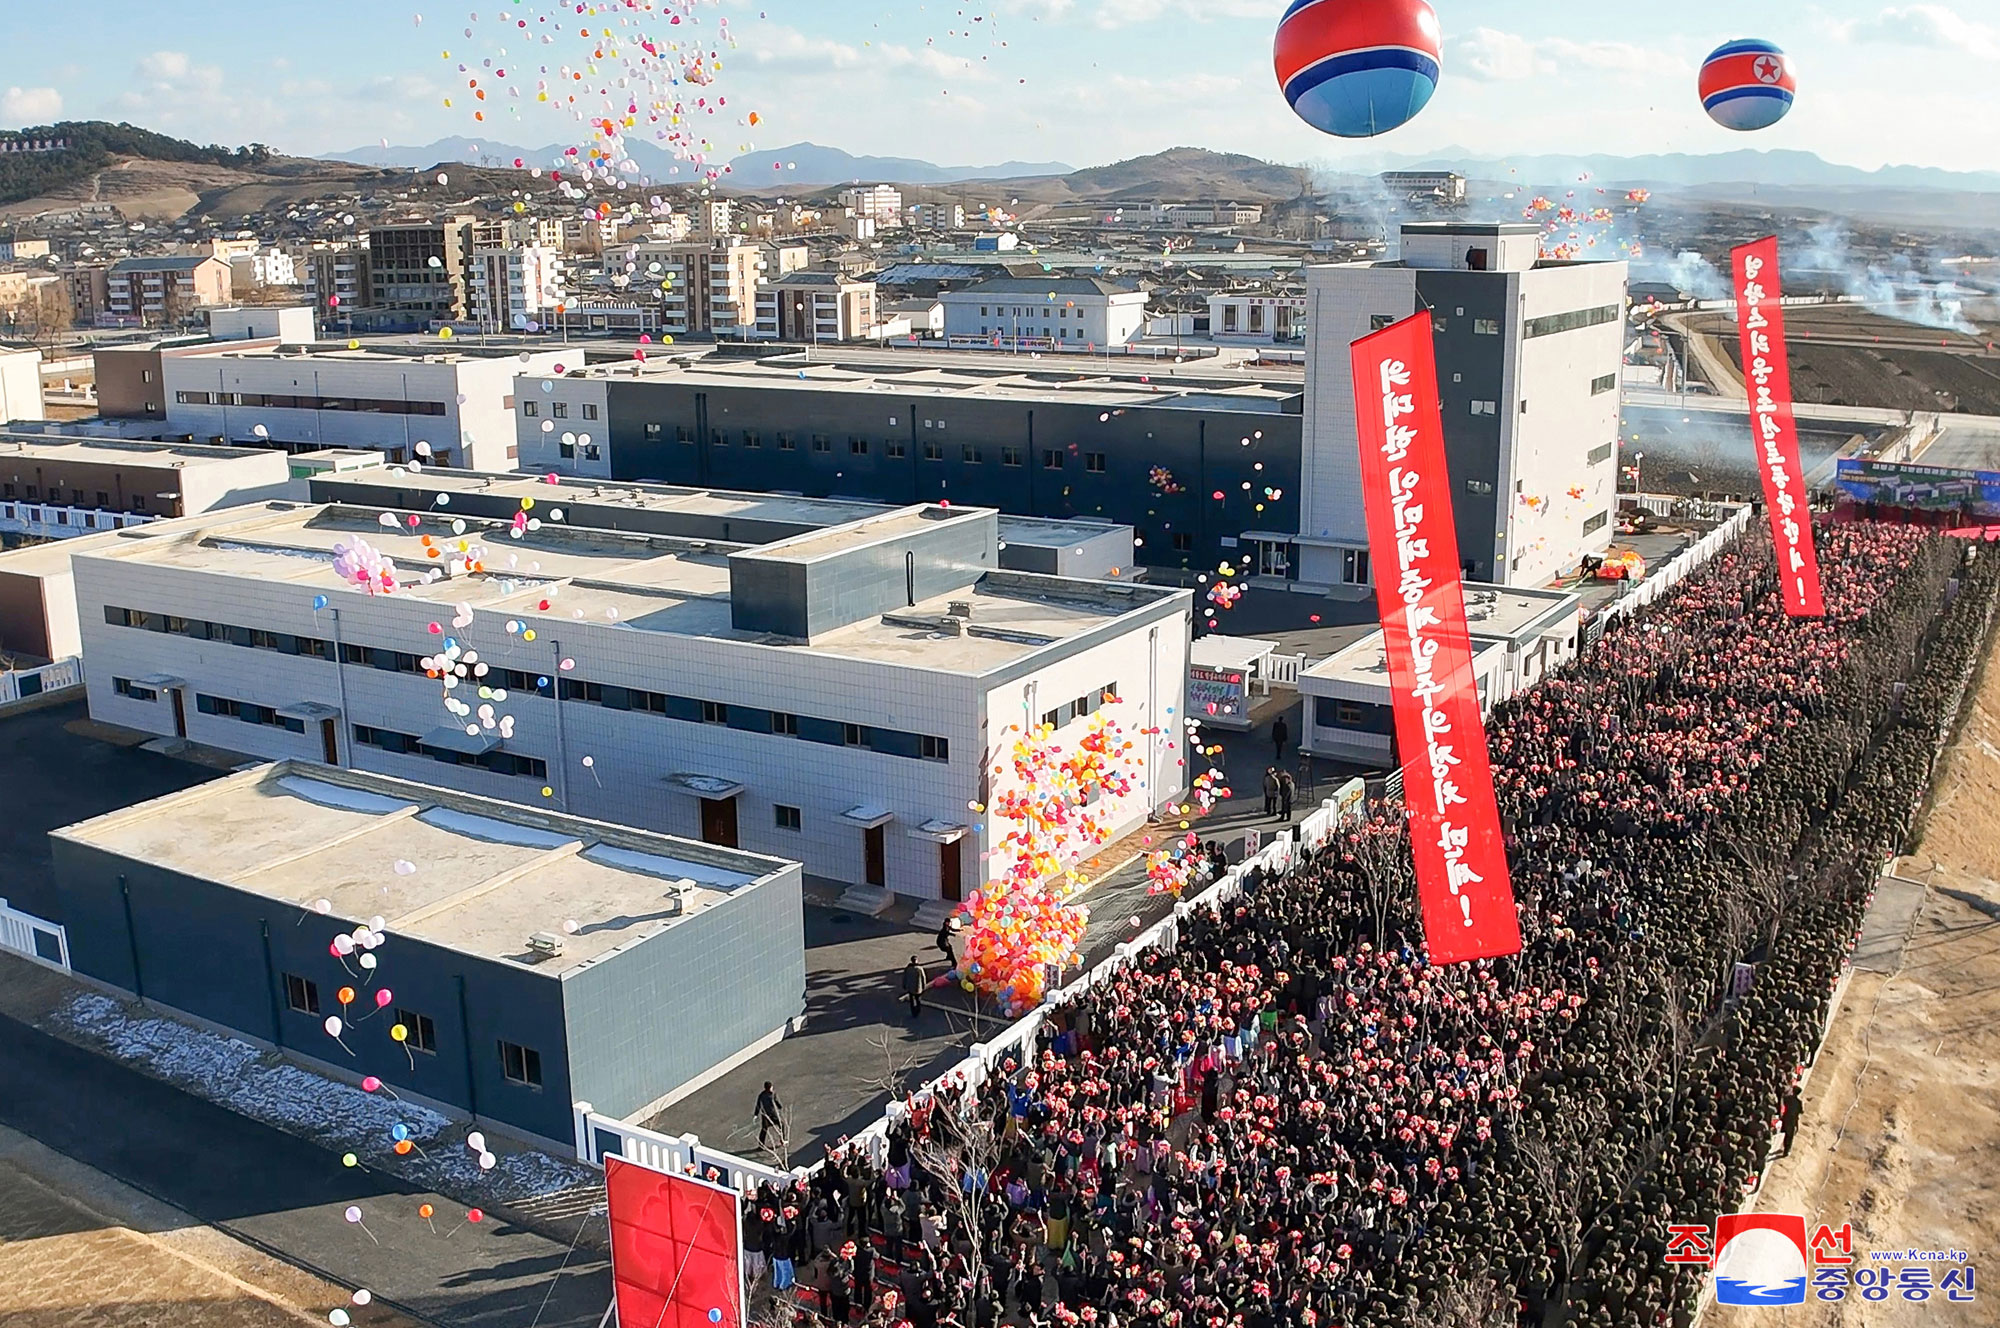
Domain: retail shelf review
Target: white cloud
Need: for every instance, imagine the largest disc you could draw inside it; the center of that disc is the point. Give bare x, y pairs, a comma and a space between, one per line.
26, 106
1127, 13
1934, 26
1490, 55
165, 64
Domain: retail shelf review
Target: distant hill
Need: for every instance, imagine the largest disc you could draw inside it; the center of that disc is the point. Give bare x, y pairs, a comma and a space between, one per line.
1177, 173
95, 145
473, 151
811, 166
1779, 167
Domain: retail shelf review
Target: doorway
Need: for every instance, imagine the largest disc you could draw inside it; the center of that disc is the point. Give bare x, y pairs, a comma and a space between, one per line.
718, 822
180, 712
948, 870
328, 744
876, 852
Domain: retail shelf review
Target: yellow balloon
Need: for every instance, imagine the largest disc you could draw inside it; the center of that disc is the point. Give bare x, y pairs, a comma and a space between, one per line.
399, 1032
548, 792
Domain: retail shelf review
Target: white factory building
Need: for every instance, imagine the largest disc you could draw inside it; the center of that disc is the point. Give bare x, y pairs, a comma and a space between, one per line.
1052, 312
841, 698
1528, 355
458, 403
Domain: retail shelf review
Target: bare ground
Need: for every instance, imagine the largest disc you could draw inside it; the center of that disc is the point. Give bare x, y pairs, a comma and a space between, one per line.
1901, 1131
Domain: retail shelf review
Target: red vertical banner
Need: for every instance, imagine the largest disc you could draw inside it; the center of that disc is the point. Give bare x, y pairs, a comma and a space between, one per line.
1767, 374
676, 1257
1455, 840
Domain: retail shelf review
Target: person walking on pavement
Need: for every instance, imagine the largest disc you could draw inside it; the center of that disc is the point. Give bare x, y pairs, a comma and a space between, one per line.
913, 987
1270, 790
1288, 788
768, 1109
944, 936
1281, 733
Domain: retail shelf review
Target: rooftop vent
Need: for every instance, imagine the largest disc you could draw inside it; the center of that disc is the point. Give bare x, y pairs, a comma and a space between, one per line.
545, 944
959, 608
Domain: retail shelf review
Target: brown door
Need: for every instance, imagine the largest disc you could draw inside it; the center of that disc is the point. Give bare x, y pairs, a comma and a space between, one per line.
328, 743
948, 869
718, 821
878, 867
180, 713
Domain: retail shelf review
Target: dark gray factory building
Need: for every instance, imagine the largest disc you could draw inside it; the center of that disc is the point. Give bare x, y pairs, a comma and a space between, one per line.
532, 959
1190, 458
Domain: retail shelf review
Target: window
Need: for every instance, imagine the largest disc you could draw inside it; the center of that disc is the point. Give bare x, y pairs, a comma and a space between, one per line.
592, 453
566, 449
420, 1033
521, 1065
857, 446
103, 498
933, 451
784, 725
1347, 713
1354, 566
1478, 486
1010, 456
787, 441
857, 735
530, 409
934, 749
1486, 327
653, 429
301, 994
1600, 454
1485, 408
822, 443
560, 410
590, 410
1596, 523
1183, 542
752, 438
896, 448
971, 455
683, 434
1094, 462
1599, 386
126, 687
714, 712
787, 817
1376, 322
717, 438
1570, 322
1052, 458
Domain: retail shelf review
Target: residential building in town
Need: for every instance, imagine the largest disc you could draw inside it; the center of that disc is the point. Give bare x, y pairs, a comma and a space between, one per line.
166, 289
835, 698
418, 271
22, 249
1062, 313
880, 203
514, 286
937, 216
507, 232
1528, 359
54, 486
712, 286
336, 276
444, 408
520, 943
89, 289
260, 268
21, 384
713, 218
816, 306
1147, 446
1257, 317
294, 324
1447, 187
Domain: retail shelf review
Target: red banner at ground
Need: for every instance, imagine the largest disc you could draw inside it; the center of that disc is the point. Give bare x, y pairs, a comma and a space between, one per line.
676, 1257
1461, 859
1767, 375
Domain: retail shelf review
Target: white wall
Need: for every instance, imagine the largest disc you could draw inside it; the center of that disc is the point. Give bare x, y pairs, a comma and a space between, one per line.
21, 385
207, 485
292, 324
539, 436
1341, 301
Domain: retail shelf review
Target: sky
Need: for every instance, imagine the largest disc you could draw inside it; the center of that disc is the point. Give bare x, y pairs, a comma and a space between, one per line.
1079, 81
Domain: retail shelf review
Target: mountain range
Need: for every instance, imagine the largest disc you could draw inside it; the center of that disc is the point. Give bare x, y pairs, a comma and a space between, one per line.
1784, 167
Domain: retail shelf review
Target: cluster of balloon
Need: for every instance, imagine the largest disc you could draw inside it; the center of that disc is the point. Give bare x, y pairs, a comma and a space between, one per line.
1357, 70
1170, 867
1056, 805
1163, 479
358, 562
1223, 593
1747, 84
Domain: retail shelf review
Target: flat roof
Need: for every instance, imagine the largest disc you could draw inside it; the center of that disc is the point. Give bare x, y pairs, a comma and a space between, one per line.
1471, 228
58, 448
1514, 611
892, 523
379, 352
631, 581
467, 873
1366, 663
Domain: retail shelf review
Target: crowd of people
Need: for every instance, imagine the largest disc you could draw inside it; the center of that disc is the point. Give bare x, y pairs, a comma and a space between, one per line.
1292, 1118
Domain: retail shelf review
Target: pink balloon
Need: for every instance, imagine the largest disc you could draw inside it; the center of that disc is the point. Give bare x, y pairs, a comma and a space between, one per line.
382, 998
370, 1083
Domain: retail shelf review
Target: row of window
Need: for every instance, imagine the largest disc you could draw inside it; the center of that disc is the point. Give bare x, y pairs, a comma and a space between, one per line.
1053, 458
1600, 454
518, 1064
755, 719
1550, 324
137, 691
1082, 706
280, 401
1599, 386
32, 493
500, 763
1596, 523
255, 638
247, 711
1025, 311
557, 409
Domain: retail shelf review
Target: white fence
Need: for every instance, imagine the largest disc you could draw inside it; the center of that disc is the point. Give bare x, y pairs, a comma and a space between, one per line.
21, 684
1660, 580
36, 938
598, 1136
1283, 670
53, 521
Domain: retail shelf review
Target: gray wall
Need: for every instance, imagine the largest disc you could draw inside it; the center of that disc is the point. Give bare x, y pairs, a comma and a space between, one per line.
646, 1019
947, 553
220, 954
1472, 442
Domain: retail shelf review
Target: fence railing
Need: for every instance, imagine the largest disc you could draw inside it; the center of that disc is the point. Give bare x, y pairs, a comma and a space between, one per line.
598, 1136
33, 937
21, 684
1283, 669
1664, 578
56, 521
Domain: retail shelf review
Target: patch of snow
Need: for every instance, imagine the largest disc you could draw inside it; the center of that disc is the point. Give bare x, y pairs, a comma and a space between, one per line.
338, 1116
674, 869
491, 830
335, 795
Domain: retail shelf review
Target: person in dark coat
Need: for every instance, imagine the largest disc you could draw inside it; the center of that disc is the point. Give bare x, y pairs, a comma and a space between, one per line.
913, 986
768, 1109
1281, 733
1270, 790
944, 935
1288, 789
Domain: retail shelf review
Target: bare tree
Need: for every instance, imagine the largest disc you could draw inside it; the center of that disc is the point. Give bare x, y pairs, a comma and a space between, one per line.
1379, 852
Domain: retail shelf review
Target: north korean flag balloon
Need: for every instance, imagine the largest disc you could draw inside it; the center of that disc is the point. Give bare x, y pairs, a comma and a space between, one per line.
1747, 84
1357, 68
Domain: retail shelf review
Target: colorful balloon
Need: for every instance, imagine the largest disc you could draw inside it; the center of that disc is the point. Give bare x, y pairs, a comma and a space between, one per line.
1358, 68
1747, 84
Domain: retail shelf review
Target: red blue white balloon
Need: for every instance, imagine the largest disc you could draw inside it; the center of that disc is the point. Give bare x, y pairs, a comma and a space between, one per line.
1747, 84
1357, 68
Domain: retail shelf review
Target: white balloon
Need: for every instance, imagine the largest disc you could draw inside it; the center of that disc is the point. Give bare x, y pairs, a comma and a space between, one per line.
333, 1025
487, 1161
368, 961
476, 1141
338, 1318
344, 944
363, 1296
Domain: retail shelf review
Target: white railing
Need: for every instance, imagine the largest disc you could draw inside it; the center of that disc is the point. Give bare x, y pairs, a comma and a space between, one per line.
1662, 579
598, 1136
35, 938
21, 684
54, 521
1283, 669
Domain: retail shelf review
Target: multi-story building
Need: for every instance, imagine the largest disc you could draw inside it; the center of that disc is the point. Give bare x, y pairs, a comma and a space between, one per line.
506, 232
712, 286
836, 699
21, 384
1528, 360
1260, 317
937, 216
515, 286
337, 278
261, 267
816, 307
1191, 459
1062, 313
1446, 187
22, 249
714, 218
418, 270
446, 408
880, 203
89, 289
56, 487
166, 289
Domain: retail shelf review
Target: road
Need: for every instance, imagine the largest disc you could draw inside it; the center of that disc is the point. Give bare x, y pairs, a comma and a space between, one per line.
287, 1197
